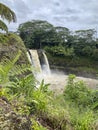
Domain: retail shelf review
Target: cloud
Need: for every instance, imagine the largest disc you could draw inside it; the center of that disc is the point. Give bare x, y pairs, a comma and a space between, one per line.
74, 14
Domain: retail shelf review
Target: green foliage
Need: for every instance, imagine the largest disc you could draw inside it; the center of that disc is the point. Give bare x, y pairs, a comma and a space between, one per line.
8, 116
82, 104
73, 52
82, 121
36, 32
9, 69
95, 54
3, 92
43, 87
60, 51
5, 68
76, 109
3, 39
95, 100
12, 80
59, 41
3, 26
9, 46
39, 99
37, 126
77, 92
57, 115
23, 86
8, 14
87, 51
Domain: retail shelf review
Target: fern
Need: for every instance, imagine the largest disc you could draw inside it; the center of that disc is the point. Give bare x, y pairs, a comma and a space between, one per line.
5, 68
9, 70
19, 69
23, 86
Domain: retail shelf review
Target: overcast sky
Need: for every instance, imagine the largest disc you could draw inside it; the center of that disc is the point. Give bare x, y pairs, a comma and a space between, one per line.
73, 14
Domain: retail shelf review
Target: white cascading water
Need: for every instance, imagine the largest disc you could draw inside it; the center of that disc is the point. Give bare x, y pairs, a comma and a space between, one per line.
34, 59
57, 80
45, 65
30, 57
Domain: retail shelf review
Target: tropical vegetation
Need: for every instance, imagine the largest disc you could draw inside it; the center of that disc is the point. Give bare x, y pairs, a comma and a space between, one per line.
6, 14
26, 104
23, 106
69, 51
59, 41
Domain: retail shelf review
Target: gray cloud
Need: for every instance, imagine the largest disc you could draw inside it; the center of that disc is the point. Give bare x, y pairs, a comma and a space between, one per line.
74, 14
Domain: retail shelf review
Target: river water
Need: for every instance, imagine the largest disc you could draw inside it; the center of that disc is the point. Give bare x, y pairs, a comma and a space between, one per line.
58, 80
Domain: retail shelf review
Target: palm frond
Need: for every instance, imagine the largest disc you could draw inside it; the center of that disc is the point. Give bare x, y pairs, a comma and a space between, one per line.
5, 68
3, 26
7, 13
20, 69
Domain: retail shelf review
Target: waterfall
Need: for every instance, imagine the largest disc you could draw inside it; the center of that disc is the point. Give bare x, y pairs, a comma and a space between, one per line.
39, 60
45, 65
30, 57
57, 80
34, 59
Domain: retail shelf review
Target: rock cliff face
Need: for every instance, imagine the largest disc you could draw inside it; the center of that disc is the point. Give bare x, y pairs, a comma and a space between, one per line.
10, 45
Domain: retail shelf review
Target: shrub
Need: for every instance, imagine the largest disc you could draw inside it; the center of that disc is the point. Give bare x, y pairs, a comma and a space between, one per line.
87, 51
60, 51
39, 99
77, 92
95, 54
82, 121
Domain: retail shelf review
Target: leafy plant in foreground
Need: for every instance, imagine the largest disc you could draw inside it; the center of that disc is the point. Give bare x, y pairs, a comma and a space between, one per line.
40, 97
83, 120
77, 92
23, 86
5, 68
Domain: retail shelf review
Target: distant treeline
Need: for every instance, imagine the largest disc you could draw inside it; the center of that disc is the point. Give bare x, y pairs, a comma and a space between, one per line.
59, 41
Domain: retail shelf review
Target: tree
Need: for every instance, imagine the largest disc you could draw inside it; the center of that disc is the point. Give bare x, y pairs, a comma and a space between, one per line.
8, 14
36, 33
84, 42
63, 33
89, 34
